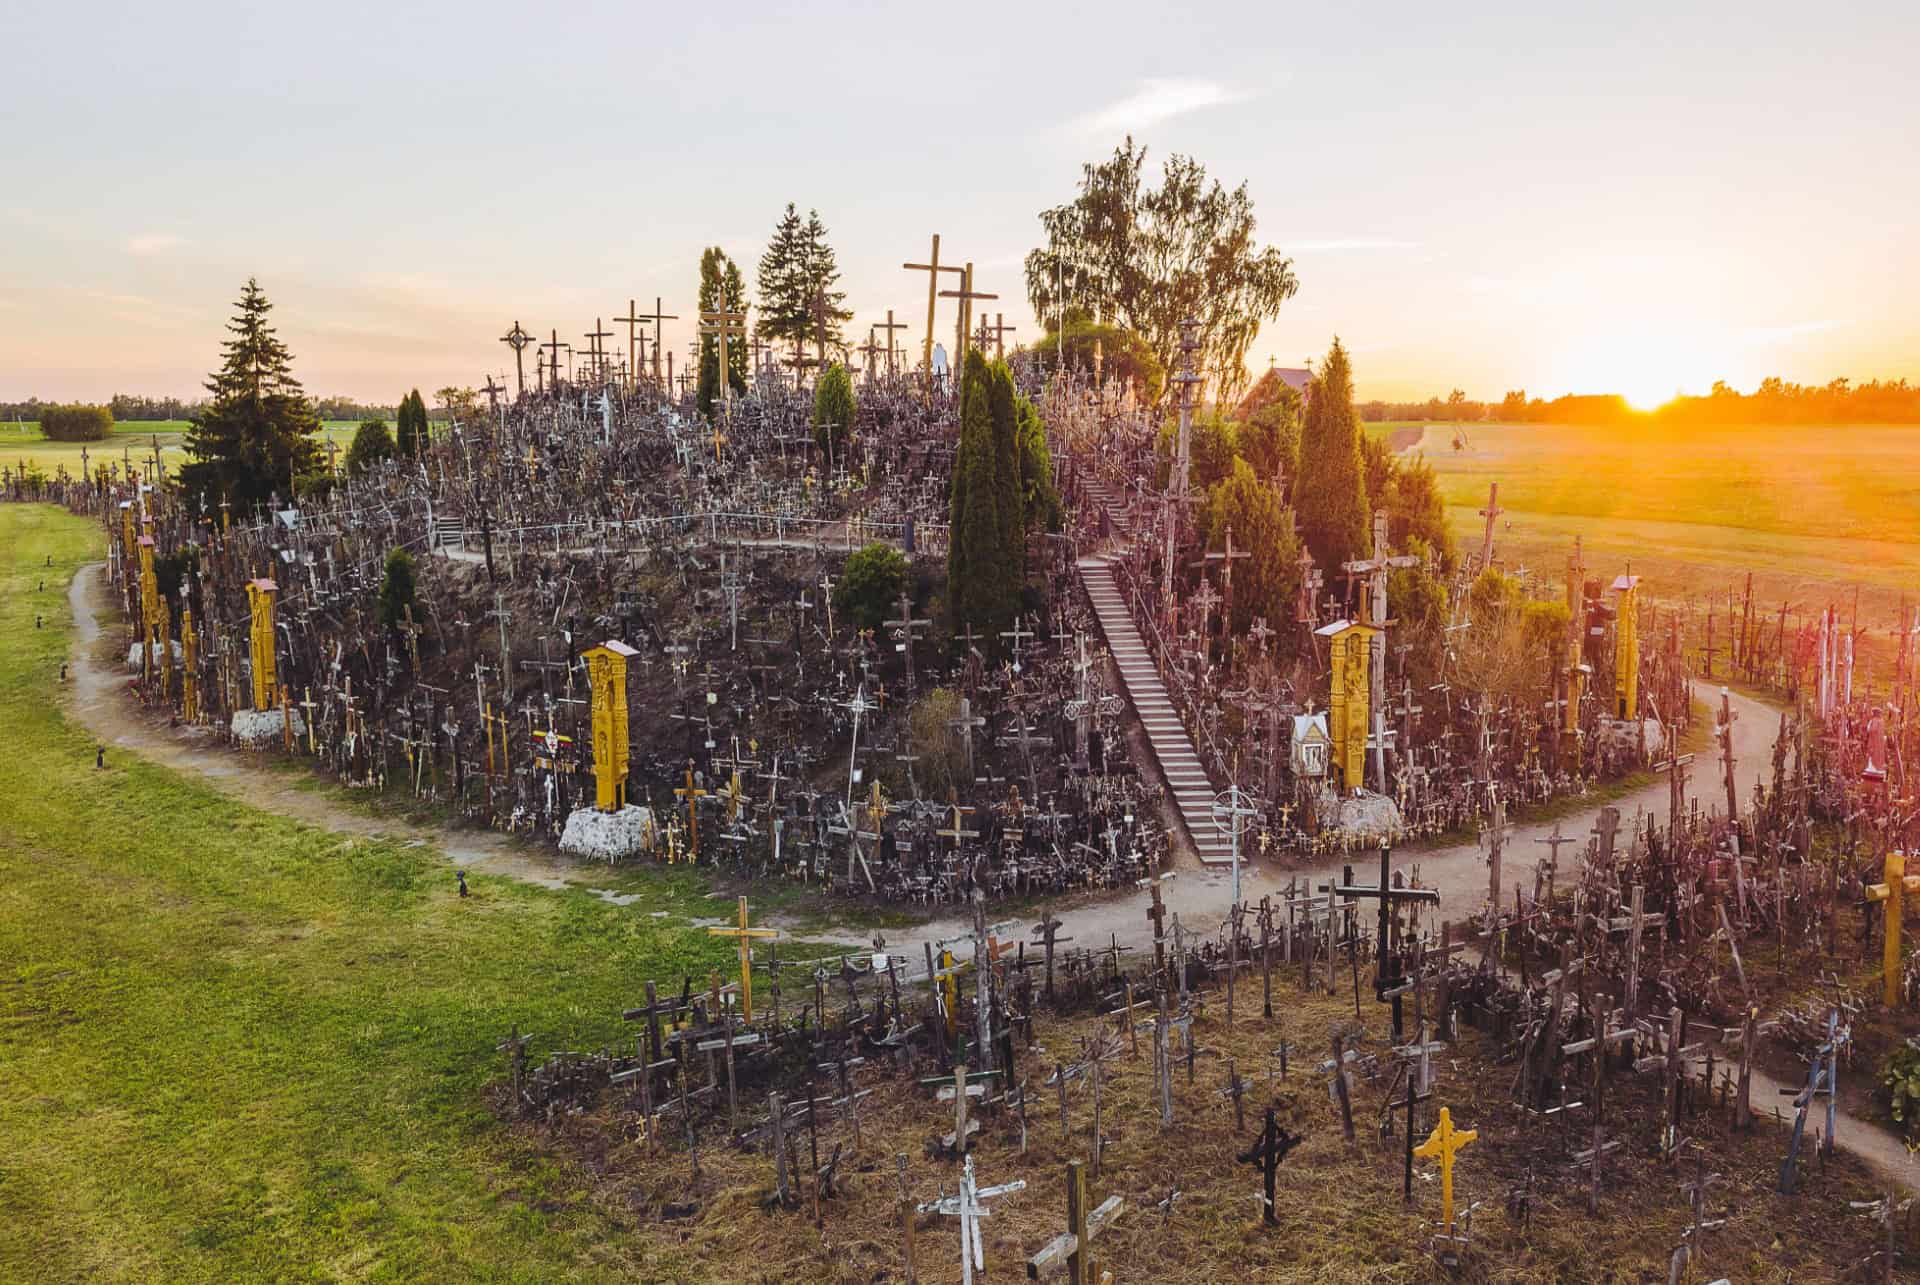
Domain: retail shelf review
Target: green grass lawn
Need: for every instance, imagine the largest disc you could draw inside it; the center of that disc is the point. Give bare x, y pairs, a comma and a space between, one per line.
235, 1047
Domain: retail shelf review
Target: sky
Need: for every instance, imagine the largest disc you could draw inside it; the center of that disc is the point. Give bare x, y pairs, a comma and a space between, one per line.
1639, 198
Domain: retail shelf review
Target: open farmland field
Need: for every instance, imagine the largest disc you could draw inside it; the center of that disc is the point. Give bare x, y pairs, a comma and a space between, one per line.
22, 444
1814, 513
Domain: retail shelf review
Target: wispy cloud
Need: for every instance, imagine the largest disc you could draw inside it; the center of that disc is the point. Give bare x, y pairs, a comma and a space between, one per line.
1781, 334
1153, 102
154, 242
1337, 245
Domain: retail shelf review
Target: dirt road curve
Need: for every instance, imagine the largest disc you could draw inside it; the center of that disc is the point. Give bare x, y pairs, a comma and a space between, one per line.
1199, 897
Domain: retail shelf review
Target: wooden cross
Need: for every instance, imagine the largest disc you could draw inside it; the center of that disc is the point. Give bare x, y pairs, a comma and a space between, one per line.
906, 624
967, 1208
1889, 892
1046, 931
964, 724
1490, 513
515, 1047
1387, 973
1226, 560
1265, 1155
1073, 1248
744, 936
692, 796
1158, 914
1442, 1145
724, 325
518, 339
595, 350
999, 331
966, 294
1237, 1090
892, 325
635, 317
933, 268
1019, 633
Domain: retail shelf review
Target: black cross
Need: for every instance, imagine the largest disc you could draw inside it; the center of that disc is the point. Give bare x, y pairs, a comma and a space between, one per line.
1266, 1154
1387, 975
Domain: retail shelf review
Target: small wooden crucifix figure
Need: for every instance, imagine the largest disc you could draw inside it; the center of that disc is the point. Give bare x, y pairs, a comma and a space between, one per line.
1265, 1155
1443, 1144
744, 936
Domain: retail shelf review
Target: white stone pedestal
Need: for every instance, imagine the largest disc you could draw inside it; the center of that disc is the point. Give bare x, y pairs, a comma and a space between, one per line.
263, 728
608, 836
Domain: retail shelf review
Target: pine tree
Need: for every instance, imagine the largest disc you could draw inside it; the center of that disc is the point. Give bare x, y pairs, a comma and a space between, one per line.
410, 425
834, 408
721, 290
1330, 492
257, 432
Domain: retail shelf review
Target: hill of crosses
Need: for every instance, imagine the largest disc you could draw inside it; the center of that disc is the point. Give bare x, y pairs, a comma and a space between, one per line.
1144, 841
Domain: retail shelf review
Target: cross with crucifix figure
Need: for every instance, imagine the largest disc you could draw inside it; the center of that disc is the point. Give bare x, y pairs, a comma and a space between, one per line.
1375, 570
1265, 1155
1388, 970
1442, 1145
692, 795
1226, 559
1047, 931
905, 627
964, 723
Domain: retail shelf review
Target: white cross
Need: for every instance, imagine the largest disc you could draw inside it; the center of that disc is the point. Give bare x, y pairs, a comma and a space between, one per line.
967, 1208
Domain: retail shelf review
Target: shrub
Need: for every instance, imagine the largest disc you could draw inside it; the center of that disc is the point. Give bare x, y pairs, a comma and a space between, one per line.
870, 585
396, 589
1901, 1079
833, 412
76, 423
371, 444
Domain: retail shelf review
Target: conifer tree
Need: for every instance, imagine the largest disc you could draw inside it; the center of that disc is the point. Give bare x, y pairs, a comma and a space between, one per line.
1330, 492
824, 303
410, 425
1010, 493
1249, 506
721, 289
981, 588
785, 300
257, 432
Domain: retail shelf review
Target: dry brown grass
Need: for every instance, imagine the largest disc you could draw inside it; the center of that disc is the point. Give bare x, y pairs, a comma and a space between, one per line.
1341, 1213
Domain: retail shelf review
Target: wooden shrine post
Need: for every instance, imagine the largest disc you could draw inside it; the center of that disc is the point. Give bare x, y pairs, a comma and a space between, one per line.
607, 672
1889, 892
260, 598
1626, 650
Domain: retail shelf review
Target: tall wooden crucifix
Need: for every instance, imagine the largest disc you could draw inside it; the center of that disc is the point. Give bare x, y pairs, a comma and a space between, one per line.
634, 318
933, 268
1492, 514
1375, 570
744, 936
724, 325
1387, 971
596, 348
1225, 559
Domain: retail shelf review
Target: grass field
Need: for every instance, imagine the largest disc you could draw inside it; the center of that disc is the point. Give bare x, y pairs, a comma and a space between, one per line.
1813, 512
22, 444
234, 1047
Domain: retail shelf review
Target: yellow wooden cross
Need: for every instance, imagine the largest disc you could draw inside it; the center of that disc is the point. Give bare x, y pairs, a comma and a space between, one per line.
692, 796
745, 935
1442, 1144
1897, 882
734, 795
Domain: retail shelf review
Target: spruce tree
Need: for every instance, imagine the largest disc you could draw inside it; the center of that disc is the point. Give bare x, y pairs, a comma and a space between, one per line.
1041, 502
1330, 492
822, 269
785, 301
257, 432
721, 290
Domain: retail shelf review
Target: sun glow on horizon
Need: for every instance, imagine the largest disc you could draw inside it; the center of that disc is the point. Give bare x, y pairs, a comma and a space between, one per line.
1647, 367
